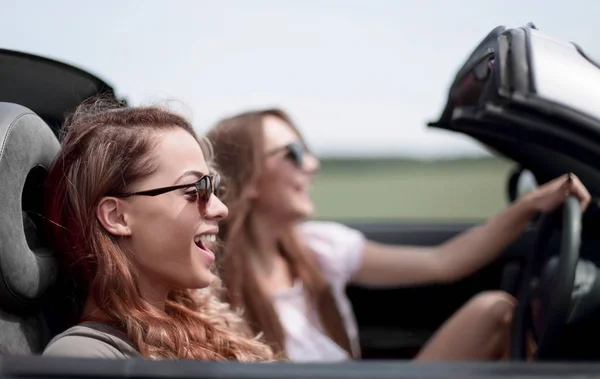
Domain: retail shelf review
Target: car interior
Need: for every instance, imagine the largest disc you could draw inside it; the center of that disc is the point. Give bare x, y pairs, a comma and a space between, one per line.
35, 95
505, 96
48, 87
28, 268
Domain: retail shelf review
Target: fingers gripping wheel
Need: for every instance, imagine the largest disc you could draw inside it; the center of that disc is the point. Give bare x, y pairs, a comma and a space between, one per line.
545, 292
27, 268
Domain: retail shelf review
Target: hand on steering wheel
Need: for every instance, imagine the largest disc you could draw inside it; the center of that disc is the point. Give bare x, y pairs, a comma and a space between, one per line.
547, 283
550, 196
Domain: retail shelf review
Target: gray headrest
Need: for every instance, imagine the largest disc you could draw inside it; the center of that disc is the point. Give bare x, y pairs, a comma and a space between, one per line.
27, 148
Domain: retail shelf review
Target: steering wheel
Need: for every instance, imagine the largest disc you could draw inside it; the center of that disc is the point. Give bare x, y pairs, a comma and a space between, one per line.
544, 297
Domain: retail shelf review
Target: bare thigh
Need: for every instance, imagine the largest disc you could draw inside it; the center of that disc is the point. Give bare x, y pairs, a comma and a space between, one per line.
477, 331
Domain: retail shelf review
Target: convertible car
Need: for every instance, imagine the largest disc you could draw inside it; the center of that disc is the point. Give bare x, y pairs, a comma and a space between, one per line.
524, 95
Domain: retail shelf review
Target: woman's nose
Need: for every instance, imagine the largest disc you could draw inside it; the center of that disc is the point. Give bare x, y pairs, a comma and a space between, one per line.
215, 209
311, 163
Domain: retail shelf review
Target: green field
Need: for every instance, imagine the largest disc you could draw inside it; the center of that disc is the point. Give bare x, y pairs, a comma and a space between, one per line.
375, 189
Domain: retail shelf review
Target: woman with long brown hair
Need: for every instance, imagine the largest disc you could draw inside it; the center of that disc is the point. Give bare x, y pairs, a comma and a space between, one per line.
133, 213
289, 275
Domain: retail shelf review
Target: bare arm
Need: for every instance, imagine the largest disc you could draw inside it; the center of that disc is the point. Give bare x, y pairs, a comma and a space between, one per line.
388, 265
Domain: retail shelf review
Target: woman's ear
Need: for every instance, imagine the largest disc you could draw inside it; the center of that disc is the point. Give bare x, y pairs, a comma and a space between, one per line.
251, 191
110, 213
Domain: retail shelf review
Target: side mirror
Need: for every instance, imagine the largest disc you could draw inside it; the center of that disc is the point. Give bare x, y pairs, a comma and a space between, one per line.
520, 182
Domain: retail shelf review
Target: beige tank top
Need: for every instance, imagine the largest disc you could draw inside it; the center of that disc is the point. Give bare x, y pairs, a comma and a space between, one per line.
92, 340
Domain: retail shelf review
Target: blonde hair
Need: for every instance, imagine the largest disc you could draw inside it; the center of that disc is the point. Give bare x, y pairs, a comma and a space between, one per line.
239, 154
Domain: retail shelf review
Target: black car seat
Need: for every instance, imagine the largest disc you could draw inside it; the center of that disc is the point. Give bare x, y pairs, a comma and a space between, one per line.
28, 269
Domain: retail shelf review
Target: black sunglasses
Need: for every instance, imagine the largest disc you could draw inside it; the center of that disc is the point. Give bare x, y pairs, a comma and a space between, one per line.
294, 152
205, 187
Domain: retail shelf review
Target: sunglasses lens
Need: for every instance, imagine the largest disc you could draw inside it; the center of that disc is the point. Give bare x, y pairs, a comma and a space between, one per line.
204, 190
296, 153
216, 186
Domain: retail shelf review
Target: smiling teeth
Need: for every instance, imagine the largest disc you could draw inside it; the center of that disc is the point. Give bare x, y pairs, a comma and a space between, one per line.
205, 238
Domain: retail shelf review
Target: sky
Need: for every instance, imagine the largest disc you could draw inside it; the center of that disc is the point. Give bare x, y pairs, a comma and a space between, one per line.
360, 78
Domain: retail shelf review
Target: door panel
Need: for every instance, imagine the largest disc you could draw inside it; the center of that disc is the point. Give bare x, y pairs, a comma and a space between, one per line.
395, 323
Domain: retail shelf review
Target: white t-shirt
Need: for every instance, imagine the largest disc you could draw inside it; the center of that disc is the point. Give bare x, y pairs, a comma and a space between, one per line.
338, 251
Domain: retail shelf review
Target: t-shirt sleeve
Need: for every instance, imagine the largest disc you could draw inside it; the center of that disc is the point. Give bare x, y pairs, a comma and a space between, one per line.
81, 347
338, 249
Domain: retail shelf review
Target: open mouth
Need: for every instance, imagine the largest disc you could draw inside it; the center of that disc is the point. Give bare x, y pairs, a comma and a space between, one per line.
304, 187
203, 242
205, 238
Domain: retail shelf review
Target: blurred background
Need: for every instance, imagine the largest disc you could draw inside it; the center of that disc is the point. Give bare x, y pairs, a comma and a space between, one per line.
360, 78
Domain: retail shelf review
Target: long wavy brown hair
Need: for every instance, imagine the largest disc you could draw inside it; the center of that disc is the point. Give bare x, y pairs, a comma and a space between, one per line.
239, 155
106, 148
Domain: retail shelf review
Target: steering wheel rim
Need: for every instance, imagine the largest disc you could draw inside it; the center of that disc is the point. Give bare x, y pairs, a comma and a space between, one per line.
558, 296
